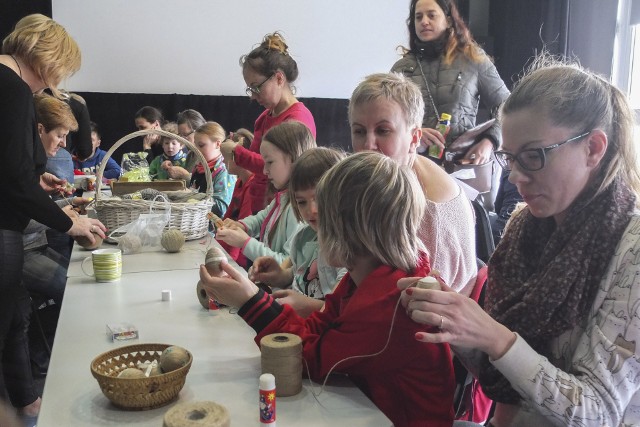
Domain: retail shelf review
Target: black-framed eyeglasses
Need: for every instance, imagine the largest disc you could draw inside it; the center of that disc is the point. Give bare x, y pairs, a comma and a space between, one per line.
255, 90
186, 135
532, 159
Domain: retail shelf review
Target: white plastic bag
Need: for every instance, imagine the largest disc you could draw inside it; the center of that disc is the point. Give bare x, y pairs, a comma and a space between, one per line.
145, 233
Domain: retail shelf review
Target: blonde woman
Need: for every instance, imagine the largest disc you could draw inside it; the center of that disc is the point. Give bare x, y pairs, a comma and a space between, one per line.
385, 114
38, 54
558, 343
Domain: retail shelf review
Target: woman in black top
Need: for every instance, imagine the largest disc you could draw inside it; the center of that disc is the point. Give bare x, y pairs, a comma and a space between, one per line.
38, 54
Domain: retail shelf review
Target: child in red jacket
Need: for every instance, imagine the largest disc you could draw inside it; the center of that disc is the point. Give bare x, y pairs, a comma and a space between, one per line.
369, 211
240, 206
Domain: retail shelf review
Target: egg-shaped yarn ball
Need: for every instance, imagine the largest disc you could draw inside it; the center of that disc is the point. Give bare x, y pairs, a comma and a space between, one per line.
129, 244
212, 261
150, 193
155, 370
86, 244
172, 358
172, 240
131, 373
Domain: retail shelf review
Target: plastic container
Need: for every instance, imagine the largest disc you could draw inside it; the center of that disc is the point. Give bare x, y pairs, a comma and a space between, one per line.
443, 126
267, 400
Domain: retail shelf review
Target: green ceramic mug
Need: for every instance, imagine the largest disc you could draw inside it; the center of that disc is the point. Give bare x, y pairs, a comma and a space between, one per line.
107, 265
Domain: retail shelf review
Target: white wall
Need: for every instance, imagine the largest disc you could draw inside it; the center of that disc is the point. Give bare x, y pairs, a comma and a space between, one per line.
193, 46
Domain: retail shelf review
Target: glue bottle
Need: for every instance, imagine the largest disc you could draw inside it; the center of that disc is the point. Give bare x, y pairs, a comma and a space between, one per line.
267, 400
443, 126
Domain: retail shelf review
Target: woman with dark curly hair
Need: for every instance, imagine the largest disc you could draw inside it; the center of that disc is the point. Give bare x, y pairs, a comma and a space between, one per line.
455, 76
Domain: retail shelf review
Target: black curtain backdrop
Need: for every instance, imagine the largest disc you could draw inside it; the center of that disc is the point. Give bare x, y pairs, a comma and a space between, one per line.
522, 28
114, 113
12, 10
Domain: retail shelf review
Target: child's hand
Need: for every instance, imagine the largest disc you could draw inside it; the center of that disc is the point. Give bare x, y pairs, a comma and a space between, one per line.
227, 147
233, 289
233, 236
166, 164
177, 172
71, 213
302, 304
266, 269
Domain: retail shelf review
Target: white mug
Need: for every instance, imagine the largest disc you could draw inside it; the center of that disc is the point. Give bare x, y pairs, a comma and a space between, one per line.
107, 265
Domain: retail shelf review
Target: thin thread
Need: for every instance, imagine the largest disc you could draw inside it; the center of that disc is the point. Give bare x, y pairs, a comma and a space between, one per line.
393, 320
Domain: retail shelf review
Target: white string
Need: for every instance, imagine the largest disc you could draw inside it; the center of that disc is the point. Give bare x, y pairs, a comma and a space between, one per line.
393, 320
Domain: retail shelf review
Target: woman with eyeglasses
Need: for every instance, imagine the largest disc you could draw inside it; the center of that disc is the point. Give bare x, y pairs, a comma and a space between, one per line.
269, 72
558, 343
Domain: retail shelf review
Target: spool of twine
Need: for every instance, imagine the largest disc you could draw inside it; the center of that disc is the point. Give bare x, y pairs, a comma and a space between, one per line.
282, 357
197, 414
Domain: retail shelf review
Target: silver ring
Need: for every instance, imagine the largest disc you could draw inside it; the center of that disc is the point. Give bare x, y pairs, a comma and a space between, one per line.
473, 156
93, 228
441, 322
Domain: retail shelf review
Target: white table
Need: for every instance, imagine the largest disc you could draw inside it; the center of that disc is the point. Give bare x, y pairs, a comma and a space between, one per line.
189, 258
225, 369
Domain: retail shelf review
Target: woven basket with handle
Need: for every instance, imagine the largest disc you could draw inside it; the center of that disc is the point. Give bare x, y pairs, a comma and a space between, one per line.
137, 393
189, 218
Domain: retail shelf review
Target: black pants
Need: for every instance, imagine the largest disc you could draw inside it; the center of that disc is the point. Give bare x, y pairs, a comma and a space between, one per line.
16, 380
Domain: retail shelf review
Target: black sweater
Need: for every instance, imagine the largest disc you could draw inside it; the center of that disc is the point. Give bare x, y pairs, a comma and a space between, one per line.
22, 161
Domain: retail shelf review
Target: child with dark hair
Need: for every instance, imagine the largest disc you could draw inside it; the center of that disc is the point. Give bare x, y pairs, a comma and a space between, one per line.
90, 166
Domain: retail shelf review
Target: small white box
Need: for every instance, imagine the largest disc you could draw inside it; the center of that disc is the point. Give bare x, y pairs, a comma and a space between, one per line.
121, 331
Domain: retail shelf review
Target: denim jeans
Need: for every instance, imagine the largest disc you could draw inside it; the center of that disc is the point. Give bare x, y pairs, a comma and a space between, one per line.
45, 273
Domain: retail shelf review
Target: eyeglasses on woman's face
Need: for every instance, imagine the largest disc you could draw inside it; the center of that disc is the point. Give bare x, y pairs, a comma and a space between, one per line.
531, 159
255, 90
186, 135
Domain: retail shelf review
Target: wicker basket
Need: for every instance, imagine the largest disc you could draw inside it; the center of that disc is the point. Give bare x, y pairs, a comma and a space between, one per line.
139, 393
189, 218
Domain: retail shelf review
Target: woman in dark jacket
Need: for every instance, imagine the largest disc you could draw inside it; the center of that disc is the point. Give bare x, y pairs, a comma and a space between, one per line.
454, 74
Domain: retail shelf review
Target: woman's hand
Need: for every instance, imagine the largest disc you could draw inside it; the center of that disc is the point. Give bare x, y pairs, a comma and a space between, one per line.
227, 148
479, 153
266, 269
232, 289
432, 137
302, 304
149, 140
232, 235
87, 227
52, 184
459, 320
